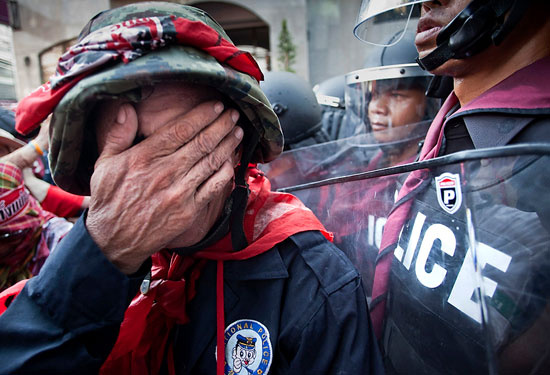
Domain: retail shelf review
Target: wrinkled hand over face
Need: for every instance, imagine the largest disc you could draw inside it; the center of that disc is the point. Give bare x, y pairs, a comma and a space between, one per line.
169, 189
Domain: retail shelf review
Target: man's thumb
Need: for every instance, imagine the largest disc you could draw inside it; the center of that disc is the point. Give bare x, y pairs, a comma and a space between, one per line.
117, 131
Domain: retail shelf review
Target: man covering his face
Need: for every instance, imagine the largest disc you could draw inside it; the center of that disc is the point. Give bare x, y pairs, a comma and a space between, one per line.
184, 248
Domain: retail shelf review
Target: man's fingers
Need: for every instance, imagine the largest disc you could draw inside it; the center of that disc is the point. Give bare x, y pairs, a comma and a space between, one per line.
213, 161
208, 139
117, 129
214, 184
181, 130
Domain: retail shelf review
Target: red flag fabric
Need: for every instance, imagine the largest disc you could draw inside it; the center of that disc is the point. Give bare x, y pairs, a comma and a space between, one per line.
35, 107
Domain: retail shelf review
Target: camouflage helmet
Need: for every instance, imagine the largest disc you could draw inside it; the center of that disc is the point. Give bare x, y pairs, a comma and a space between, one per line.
73, 149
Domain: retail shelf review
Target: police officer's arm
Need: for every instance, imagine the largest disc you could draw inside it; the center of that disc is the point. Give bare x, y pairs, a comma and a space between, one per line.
146, 195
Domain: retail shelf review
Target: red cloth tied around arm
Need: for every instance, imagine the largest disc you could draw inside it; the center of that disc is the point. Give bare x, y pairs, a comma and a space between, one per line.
62, 203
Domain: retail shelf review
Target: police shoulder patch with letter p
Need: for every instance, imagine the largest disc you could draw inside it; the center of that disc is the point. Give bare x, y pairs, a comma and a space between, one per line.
449, 194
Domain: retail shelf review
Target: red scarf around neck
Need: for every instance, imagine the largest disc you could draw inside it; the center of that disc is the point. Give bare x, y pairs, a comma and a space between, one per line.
142, 343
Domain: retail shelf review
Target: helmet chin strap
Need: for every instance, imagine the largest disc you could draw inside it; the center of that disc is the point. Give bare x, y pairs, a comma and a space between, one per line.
232, 217
479, 25
440, 87
240, 195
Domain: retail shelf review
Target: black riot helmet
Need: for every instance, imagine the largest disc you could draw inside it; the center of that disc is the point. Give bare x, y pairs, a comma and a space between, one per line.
330, 96
480, 24
330, 92
294, 102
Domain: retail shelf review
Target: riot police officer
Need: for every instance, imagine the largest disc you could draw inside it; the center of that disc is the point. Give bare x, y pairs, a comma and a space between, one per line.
330, 96
294, 102
428, 317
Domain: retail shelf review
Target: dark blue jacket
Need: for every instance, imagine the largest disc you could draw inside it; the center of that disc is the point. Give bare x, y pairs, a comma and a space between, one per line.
304, 292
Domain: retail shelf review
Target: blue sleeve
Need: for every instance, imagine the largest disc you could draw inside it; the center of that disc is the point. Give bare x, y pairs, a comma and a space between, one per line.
344, 339
66, 319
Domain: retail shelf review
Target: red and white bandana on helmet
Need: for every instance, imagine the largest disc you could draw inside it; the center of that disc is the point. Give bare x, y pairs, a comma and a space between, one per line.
127, 41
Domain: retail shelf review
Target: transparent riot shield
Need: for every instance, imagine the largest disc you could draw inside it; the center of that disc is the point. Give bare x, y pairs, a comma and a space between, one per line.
365, 152
466, 245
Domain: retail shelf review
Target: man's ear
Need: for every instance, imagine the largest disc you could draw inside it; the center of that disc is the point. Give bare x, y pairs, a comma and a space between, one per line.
116, 128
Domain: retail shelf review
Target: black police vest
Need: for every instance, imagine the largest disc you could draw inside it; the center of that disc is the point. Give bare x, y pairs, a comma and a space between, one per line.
436, 320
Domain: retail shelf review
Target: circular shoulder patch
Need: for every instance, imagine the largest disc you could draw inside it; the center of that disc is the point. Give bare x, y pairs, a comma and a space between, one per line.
247, 348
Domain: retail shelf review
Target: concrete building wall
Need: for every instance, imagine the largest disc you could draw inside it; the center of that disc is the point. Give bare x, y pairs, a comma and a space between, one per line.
333, 49
43, 24
7, 66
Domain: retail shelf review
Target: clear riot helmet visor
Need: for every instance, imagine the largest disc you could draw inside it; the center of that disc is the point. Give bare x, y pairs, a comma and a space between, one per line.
384, 22
390, 103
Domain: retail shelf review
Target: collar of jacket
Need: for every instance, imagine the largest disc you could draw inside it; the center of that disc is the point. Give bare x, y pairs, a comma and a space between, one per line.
266, 266
500, 113
524, 92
